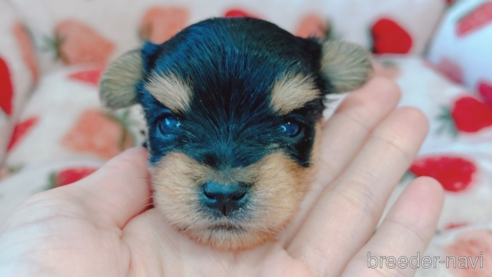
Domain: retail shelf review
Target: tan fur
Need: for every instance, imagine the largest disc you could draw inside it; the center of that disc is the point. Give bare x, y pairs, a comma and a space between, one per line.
117, 89
293, 92
278, 187
171, 91
347, 66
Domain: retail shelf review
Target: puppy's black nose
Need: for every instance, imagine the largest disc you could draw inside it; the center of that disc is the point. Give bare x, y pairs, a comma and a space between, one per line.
225, 198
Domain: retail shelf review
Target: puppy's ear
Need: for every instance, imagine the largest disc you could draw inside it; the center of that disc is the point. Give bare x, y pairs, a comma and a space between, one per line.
118, 83
345, 65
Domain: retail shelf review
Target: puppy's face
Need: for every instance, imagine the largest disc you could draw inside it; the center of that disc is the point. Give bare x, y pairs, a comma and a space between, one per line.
232, 108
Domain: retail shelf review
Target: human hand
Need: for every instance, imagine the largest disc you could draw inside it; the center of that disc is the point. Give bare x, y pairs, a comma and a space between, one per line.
102, 226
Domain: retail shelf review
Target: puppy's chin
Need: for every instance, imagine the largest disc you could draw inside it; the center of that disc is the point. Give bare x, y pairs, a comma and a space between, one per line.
274, 198
228, 237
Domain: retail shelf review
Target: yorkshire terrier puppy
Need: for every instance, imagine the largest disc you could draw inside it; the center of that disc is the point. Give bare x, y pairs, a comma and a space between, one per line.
233, 107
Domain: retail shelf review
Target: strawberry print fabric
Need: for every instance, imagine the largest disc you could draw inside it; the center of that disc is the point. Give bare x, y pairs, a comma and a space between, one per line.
462, 46
18, 71
81, 31
472, 242
84, 130
385, 27
457, 152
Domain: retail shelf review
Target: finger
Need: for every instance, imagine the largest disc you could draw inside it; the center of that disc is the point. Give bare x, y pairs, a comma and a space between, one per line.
345, 215
406, 231
116, 192
343, 135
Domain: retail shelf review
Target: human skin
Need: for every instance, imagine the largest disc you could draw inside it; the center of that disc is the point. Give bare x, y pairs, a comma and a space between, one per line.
103, 226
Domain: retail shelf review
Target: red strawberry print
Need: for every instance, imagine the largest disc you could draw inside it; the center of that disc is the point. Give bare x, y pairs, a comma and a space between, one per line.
26, 48
471, 115
468, 115
454, 173
238, 13
77, 43
389, 37
90, 76
476, 247
475, 20
161, 23
20, 131
69, 176
485, 90
313, 26
94, 132
6, 88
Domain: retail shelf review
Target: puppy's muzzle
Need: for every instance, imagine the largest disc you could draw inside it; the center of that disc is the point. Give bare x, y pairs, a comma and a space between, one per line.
223, 199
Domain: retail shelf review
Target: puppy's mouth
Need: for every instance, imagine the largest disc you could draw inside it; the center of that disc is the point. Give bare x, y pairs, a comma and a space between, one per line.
227, 227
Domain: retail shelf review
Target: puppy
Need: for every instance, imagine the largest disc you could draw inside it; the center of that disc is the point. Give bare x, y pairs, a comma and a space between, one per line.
233, 107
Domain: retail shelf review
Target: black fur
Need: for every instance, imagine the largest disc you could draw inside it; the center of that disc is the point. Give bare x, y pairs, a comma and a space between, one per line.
232, 64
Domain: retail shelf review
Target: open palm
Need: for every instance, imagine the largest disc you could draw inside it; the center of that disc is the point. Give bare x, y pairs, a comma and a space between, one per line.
103, 226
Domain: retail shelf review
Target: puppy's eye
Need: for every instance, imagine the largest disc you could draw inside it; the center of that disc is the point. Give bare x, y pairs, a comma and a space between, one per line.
290, 128
168, 125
